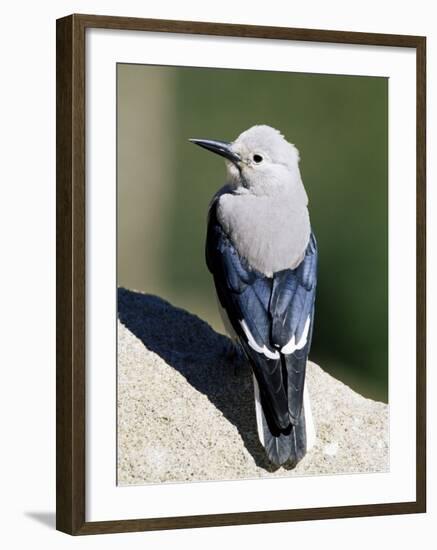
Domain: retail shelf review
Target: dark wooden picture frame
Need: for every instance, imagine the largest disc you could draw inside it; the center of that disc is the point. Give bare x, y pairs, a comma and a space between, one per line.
70, 300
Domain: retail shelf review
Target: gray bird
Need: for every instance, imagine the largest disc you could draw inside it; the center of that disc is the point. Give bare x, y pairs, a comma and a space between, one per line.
263, 257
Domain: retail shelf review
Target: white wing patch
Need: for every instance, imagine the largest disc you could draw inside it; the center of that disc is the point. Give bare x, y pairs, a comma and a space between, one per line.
291, 346
255, 346
258, 410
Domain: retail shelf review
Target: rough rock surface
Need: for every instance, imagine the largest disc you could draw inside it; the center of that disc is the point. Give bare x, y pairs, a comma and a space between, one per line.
186, 411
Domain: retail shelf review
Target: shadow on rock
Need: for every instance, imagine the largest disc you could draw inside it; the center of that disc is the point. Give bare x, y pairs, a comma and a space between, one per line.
201, 355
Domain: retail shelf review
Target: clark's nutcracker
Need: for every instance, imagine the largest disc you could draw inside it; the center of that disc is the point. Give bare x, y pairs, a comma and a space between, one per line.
263, 257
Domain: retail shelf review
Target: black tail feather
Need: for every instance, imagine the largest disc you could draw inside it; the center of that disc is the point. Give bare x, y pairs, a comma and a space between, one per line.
284, 445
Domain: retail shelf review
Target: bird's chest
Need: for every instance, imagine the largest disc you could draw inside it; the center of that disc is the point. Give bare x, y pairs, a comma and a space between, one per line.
271, 235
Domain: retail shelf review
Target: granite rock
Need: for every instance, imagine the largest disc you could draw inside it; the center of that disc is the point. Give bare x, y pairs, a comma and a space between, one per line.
186, 410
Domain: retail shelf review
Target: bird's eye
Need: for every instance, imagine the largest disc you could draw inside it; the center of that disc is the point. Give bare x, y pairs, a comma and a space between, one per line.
257, 158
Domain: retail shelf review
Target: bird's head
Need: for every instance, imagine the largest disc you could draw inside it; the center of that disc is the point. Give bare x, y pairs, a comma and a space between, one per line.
260, 161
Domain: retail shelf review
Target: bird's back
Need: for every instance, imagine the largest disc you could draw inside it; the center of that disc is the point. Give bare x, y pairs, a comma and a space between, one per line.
271, 233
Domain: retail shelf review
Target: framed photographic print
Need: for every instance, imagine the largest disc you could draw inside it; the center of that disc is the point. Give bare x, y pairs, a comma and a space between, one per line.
240, 274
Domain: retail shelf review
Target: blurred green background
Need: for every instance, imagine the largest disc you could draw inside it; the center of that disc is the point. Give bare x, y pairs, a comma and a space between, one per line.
340, 126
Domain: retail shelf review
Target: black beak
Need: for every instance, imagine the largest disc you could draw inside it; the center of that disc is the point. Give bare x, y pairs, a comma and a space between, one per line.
220, 147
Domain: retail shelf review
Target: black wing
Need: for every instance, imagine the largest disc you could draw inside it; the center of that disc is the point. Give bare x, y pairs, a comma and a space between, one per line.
292, 314
266, 313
